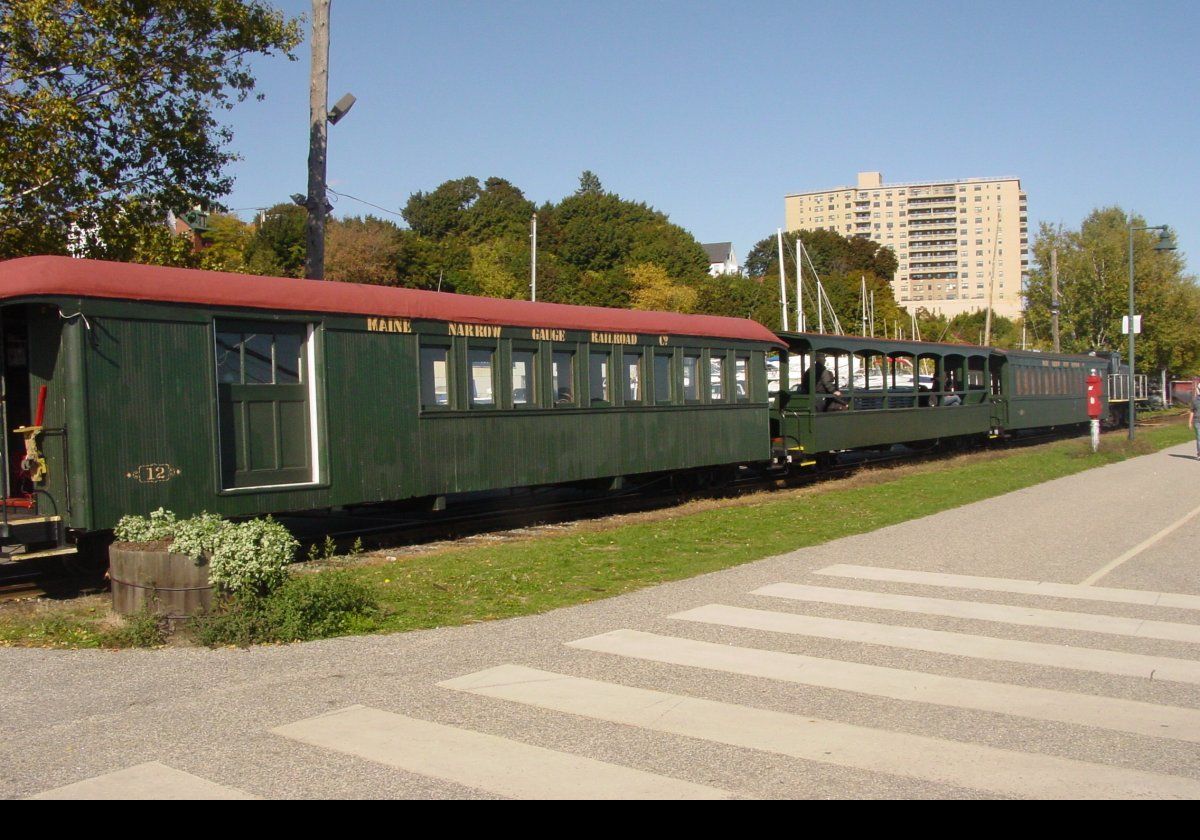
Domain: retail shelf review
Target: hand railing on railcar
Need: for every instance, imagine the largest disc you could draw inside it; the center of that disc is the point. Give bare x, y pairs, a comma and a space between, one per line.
1118, 387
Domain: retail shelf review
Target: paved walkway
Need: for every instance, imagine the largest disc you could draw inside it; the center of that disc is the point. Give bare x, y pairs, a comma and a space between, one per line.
1041, 644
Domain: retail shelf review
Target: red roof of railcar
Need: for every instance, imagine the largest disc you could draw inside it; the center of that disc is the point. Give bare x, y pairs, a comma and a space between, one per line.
67, 277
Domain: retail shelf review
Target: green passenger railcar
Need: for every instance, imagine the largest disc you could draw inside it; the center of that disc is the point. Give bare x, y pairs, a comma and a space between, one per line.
888, 391
1046, 389
247, 395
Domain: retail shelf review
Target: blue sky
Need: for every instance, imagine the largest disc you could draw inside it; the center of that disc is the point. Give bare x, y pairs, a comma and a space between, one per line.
711, 112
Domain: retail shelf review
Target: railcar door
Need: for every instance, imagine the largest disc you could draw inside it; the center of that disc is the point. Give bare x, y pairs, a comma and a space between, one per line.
14, 391
264, 404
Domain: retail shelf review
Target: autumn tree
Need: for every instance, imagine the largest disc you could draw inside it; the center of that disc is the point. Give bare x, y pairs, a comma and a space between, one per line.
653, 288
226, 242
362, 250
108, 110
500, 269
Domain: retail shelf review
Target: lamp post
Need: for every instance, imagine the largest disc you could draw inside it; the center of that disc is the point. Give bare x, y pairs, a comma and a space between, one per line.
1164, 243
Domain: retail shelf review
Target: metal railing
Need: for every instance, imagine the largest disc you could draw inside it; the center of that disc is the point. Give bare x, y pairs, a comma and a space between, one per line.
1118, 387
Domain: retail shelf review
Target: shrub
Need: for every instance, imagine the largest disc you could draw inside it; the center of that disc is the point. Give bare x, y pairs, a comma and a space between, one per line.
312, 606
160, 525
244, 558
198, 535
251, 557
142, 629
317, 606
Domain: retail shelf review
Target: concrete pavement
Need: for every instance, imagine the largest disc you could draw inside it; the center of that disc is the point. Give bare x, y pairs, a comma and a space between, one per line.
1045, 643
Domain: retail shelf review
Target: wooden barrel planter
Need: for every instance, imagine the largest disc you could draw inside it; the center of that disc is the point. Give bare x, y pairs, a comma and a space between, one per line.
171, 585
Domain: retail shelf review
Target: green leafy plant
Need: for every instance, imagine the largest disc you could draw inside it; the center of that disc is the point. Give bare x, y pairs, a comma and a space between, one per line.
159, 525
246, 557
142, 629
308, 606
251, 557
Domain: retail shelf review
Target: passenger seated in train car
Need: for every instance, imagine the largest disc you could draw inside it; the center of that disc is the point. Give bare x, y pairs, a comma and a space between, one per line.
950, 398
826, 384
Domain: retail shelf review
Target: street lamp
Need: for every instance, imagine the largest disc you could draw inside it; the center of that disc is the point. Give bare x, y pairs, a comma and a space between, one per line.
1164, 243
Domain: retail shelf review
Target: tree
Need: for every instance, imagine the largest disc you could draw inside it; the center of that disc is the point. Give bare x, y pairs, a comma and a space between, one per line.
501, 210
653, 289
843, 264
589, 184
102, 101
443, 212
424, 263
500, 268
1093, 265
362, 251
278, 245
227, 238
829, 251
474, 239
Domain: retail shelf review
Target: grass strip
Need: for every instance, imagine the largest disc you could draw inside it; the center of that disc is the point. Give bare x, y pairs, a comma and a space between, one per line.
593, 561
520, 578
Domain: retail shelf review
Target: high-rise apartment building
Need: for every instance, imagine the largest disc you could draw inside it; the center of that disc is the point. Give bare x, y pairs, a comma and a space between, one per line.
954, 240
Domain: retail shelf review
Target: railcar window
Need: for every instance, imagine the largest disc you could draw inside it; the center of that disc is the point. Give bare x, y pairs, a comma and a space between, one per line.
598, 383
662, 377
259, 358
483, 378
741, 378
562, 375
287, 358
256, 359
633, 377
716, 378
691, 378
435, 377
524, 382
229, 358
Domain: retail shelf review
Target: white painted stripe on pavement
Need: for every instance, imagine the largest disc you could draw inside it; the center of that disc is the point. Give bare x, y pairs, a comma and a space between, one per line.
1140, 547
997, 771
1005, 613
1085, 592
148, 781
481, 761
955, 644
909, 686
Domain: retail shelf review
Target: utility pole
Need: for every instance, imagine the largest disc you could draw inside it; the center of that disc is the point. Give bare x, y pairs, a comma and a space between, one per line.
1054, 297
318, 106
533, 260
